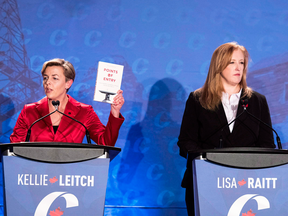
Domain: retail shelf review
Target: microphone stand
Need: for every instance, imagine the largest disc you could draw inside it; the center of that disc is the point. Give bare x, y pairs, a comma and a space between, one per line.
222, 129
29, 130
56, 105
245, 105
221, 138
277, 137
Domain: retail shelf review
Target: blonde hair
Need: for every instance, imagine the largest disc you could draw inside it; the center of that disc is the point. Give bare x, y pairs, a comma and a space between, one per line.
211, 92
69, 71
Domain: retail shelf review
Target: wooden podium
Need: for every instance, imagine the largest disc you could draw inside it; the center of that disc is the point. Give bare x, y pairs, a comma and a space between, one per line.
240, 181
45, 178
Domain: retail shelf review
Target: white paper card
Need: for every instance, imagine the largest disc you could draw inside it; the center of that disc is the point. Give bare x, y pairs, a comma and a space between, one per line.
108, 81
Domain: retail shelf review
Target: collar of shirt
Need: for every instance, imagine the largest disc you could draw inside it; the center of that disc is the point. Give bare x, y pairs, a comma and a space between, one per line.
234, 98
230, 106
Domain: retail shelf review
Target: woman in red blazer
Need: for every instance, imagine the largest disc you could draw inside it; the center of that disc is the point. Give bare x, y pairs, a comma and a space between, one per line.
209, 109
58, 76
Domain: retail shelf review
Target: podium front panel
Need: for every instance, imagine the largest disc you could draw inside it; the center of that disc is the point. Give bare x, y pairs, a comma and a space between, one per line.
226, 191
40, 189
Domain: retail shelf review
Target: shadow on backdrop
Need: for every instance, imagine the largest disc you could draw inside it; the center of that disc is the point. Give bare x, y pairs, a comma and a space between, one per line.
150, 170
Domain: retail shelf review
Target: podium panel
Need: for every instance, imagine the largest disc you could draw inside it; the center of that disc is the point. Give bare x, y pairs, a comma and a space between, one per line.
41, 189
225, 191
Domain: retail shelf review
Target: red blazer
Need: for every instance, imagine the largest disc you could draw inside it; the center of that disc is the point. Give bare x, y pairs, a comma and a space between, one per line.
68, 130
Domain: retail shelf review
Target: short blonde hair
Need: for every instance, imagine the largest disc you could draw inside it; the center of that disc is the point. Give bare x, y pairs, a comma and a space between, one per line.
69, 71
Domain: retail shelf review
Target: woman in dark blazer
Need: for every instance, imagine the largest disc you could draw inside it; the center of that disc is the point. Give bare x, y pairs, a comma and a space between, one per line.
209, 110
58, 76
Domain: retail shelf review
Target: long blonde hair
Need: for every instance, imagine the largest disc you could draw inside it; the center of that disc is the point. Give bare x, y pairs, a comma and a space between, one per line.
211, 92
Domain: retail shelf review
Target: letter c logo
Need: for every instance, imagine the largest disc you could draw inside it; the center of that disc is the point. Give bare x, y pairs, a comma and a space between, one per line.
263, 203
43, 207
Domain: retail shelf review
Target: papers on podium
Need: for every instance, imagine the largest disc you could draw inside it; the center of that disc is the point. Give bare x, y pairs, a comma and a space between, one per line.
108, 81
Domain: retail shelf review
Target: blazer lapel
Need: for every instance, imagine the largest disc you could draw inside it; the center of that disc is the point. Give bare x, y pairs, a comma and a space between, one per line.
222, 119
43, 110
72, 108
239, 111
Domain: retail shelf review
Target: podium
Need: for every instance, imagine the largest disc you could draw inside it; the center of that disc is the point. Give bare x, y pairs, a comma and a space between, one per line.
240, 182
45, 178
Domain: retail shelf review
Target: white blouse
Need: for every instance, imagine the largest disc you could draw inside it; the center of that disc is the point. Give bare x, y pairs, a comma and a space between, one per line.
230, 106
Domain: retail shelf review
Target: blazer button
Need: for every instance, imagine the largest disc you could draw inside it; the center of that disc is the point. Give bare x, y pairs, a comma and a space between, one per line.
69, 113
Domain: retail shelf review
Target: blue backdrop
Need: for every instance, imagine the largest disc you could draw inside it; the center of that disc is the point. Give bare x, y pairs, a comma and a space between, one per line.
165, 47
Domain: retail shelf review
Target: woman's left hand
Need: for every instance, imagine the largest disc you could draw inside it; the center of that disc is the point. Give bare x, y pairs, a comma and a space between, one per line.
118, 102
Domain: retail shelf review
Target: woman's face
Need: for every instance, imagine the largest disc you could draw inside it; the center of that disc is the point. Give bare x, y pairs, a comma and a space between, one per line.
54, 83
232, 74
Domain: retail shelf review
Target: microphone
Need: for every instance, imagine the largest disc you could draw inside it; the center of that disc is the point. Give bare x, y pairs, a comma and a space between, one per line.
222, 129
245, 103
56, 105
29, 130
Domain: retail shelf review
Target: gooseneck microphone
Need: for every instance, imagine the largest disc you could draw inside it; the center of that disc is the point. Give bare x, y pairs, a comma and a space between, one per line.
56, 105
29, 130
222, 129
245, 103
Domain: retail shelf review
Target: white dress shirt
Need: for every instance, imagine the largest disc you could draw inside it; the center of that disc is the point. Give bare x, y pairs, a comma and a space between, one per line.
230, 106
